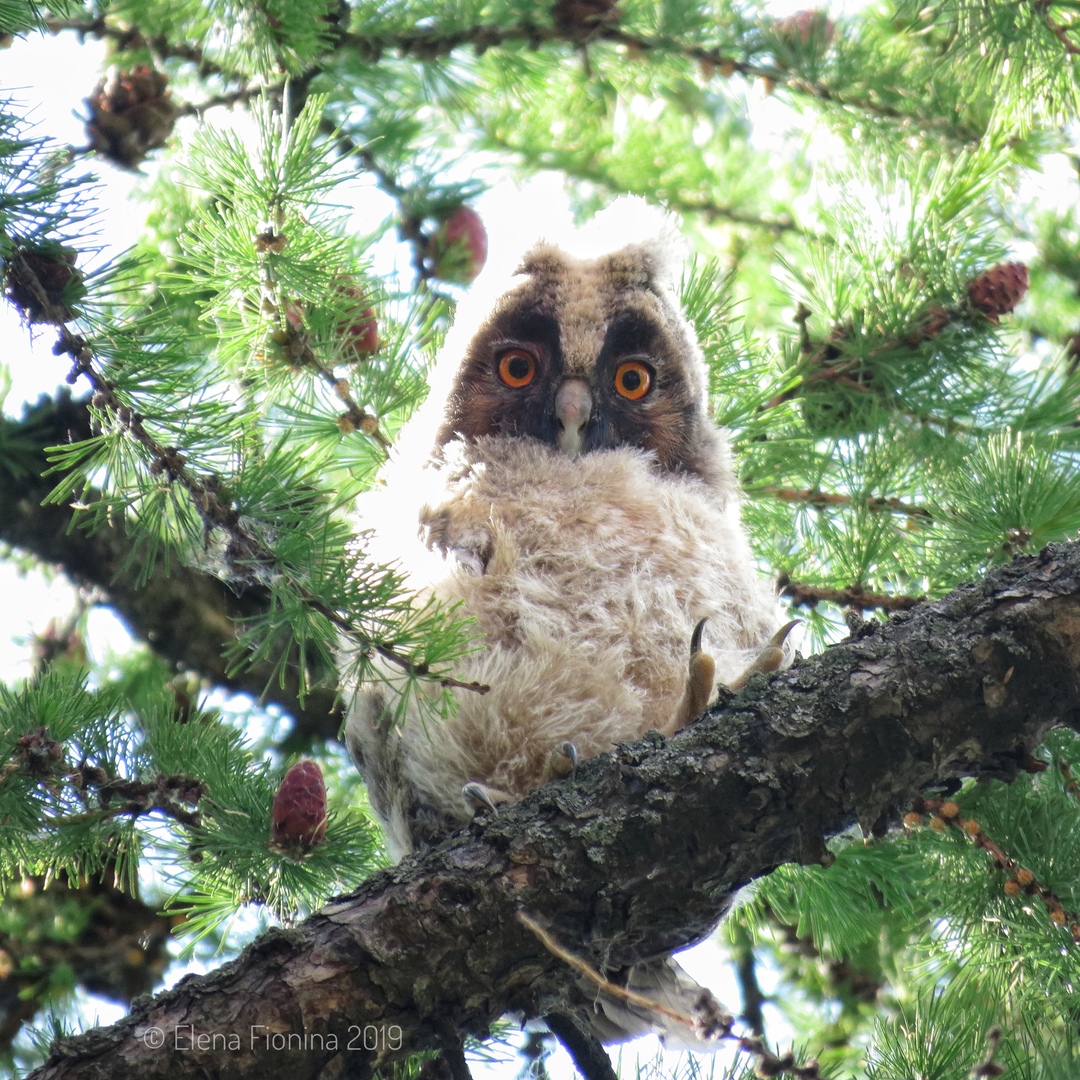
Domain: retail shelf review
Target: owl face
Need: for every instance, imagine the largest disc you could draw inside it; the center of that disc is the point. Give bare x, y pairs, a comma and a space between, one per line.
585, 356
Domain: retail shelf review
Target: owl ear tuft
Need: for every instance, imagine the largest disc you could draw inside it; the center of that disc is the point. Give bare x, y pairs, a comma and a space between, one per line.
543, 260
652, 264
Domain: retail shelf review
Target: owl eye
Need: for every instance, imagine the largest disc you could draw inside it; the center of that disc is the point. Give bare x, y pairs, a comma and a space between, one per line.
633, 379
517, 367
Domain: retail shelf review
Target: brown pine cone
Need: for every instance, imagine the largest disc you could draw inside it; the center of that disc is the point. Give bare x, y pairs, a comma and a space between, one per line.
581, 18
998, 290
40, 281
130, 116
299, 810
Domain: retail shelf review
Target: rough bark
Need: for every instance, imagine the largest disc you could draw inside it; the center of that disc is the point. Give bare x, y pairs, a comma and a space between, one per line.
186, 616
636, 856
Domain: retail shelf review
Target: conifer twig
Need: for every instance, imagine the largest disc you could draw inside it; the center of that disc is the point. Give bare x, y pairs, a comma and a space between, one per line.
38, 755
432, 42
598, 980
1058, 31
244, 551
818, 500
131, 37
709, 1023
672, 197
988, 1067
300, 353
803, 595
945, 814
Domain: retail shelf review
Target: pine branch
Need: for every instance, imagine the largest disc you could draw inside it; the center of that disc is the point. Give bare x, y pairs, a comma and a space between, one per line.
131, 38
245, 554
802, 595
1059, 31
298, 349
945, 814
585, 1049
753, 999
818, 500
185, 615
235, 97
433, 42
846, 736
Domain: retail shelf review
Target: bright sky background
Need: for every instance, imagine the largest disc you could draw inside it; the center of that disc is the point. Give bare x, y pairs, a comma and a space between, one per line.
53, 76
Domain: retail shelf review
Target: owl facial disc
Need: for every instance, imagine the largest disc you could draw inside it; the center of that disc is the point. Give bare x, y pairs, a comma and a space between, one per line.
573, 407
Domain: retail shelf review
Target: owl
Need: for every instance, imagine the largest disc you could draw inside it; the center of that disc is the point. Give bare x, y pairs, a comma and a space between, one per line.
580, 505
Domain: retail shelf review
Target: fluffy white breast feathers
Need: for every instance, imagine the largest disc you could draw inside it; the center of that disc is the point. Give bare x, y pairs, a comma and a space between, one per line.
579, 503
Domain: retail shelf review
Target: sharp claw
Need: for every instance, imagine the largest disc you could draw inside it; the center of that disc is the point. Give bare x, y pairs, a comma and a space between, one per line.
701, 677
563, 759
570, 750
771, 657
695, 637
479, 796
778, 639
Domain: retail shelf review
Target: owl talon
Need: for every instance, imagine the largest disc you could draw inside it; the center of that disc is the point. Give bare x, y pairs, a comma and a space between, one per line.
563, 760
481, 797
769, 659
699, 683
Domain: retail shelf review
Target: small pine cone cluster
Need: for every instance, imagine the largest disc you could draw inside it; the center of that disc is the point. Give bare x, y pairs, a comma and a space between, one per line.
997, 291
299, 812
43, 283
130, 116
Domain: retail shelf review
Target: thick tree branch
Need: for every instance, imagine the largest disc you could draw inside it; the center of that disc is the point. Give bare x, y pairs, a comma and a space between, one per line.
186, 616
636, 856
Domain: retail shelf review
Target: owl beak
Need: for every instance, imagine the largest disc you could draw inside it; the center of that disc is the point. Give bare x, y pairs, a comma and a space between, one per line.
573, 407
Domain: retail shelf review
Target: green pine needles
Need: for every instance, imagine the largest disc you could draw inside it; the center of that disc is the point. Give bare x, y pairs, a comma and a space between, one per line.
886, 288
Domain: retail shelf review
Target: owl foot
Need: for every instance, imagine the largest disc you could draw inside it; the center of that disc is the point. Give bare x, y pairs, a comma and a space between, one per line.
562, 761
699, 682
481, 797
769, 659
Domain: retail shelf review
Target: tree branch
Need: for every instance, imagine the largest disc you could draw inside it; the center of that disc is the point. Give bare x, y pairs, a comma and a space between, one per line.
803, 595
425, 43
186, 616
965, 686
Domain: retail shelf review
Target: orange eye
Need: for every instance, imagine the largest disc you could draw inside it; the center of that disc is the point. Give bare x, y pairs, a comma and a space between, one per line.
633, 379
517, 367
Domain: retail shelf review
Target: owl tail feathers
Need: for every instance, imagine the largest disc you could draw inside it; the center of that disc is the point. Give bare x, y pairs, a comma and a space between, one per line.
659, 998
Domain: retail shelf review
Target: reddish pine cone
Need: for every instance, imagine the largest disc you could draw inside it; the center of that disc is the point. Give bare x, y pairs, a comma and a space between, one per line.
360, 327
459, 247
299, 811
131, 116
39, 282
805, 29
998, 290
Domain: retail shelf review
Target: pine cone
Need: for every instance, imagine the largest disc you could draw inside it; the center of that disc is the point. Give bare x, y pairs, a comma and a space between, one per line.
39, 281
299, 810
806, 29
998, 290
581, 18
130, 117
